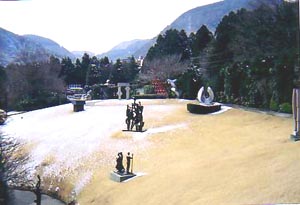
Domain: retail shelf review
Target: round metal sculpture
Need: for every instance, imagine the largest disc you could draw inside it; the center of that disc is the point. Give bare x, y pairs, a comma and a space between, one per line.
206, 104
205, 97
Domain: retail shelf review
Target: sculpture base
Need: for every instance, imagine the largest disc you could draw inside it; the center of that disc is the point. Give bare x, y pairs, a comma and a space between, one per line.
134, 131
203, 109
78, 105
295, 137
119, 177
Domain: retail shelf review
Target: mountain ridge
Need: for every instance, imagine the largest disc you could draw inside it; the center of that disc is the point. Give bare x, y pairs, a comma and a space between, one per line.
18, 48
191, 20
124, 49
27, 48
50, 45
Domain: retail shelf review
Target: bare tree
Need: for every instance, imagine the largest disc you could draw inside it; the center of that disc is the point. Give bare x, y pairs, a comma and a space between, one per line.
13, 172
163, 68
32, 81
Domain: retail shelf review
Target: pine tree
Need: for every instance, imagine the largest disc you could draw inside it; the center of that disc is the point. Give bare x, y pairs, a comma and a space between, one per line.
200, 40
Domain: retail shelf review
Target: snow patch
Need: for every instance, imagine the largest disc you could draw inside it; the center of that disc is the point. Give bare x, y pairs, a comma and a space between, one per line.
150, 131
223, 109
64, 142
82, 182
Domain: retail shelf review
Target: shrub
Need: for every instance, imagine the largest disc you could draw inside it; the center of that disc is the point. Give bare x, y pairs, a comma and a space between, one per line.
149, 89
150, 96
273, 105
285, 107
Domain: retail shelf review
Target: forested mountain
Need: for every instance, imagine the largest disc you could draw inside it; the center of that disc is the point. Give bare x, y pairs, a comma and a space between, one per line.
252, 58
79, 54
124, 49
27, 48
210, 15
51, 46
190, 21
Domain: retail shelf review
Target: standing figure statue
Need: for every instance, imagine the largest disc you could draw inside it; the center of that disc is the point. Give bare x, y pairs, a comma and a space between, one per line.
134, 113
119, 165
129, 115
139, 124
128, 162
296, 114
37, 191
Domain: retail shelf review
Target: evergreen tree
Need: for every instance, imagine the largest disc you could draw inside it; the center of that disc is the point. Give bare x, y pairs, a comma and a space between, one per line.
105, 70
68, 71
172, 42
255, 54
200, 40
130, 69
85, 68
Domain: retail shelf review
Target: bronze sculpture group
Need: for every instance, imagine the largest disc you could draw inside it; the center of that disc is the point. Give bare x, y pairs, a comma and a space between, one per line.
129, 162
134, 116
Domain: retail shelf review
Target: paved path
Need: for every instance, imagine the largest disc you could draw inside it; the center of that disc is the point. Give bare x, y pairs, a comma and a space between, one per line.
27, 198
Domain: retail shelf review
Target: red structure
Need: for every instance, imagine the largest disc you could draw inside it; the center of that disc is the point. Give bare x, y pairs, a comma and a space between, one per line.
159, 87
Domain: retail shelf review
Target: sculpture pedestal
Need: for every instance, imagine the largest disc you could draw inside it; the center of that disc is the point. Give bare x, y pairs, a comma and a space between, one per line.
203, 109
78, 105
295, 137
119, 177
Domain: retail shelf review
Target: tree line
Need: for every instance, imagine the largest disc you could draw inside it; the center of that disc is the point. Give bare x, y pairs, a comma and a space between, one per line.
252, 58
37, 85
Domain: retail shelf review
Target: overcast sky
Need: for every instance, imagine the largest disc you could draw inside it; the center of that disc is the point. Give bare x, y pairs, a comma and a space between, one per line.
92, 25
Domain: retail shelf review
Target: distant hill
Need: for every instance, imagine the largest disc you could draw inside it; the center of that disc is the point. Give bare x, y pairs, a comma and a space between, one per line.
190, 21
21, 49
124, 49
209, 15
51, 46
79, 54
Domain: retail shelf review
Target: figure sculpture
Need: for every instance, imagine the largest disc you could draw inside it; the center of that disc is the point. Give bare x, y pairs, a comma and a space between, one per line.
128, 162
119, 165
134, 116
37, 191
121, 174
129, 115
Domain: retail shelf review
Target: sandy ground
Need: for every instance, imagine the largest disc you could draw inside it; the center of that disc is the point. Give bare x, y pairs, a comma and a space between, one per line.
236, 157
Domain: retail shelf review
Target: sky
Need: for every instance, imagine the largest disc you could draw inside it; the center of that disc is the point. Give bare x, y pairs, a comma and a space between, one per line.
92, 25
